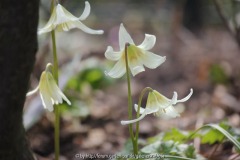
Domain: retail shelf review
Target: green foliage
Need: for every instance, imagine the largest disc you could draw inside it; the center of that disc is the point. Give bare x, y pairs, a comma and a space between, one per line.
178, 135
94, 77
218, 75
221, 131
172, 149
167, 143
175, 135
82, 86
77, 109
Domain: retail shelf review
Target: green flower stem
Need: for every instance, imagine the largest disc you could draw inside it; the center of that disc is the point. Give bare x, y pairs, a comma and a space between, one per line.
56, 107
139, 105
135, 151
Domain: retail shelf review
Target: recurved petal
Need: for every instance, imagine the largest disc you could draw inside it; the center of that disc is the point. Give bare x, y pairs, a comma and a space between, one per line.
50, 24
69, 15
165, 104
111, 55
134, 62
148, 58
33, 91
148, 42
141, 111
118, 70
124, 37
187, 97
86, 11
84, 28
135, 120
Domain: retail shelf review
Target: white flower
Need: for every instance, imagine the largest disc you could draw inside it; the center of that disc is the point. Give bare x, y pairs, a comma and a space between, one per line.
159, 104
49, 91
137, 55
63, 20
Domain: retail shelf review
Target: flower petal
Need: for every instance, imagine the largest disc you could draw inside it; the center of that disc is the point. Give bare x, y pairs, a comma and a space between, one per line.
148, 42
33, 91
84, 28
46, 98
86, 11
50, 84
149, 59
124, 37
111, 55
172, 112
50, 24
187, 97
43, 75
69, 15
163, 101
141, 111
135, 120
62, 17
152, 103
118, 70
56, 88
134, 63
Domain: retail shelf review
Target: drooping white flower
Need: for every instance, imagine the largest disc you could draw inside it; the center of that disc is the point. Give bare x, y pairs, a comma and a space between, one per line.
137, 55
159, 104
63, 20
49, 91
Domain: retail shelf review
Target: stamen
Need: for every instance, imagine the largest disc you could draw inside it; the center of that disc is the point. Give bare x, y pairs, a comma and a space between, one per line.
106, 73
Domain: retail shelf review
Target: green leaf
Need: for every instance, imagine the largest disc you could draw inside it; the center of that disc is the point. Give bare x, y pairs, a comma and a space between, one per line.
175, 135
223, 131
151, 148
167, 147
218, 75
212, 136
190, 151
158, 137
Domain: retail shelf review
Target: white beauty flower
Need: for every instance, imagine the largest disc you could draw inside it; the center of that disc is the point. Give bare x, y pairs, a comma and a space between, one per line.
49, 91
137, 55
63, 20
159, 104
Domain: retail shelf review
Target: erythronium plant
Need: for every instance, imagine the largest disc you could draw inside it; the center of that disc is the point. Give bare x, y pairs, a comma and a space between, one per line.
135, 58
49, 91
158, 104
61, 20
137, 55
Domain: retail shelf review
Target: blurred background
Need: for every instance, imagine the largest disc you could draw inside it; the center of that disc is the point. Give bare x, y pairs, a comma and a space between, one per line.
199, 39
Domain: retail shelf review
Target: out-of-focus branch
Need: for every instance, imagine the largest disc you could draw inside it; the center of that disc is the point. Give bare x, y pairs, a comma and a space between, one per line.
222, 16
236, 32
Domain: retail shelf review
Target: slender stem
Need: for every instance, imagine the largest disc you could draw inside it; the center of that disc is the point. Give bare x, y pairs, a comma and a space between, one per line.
129, 101
138, 113
56, 107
